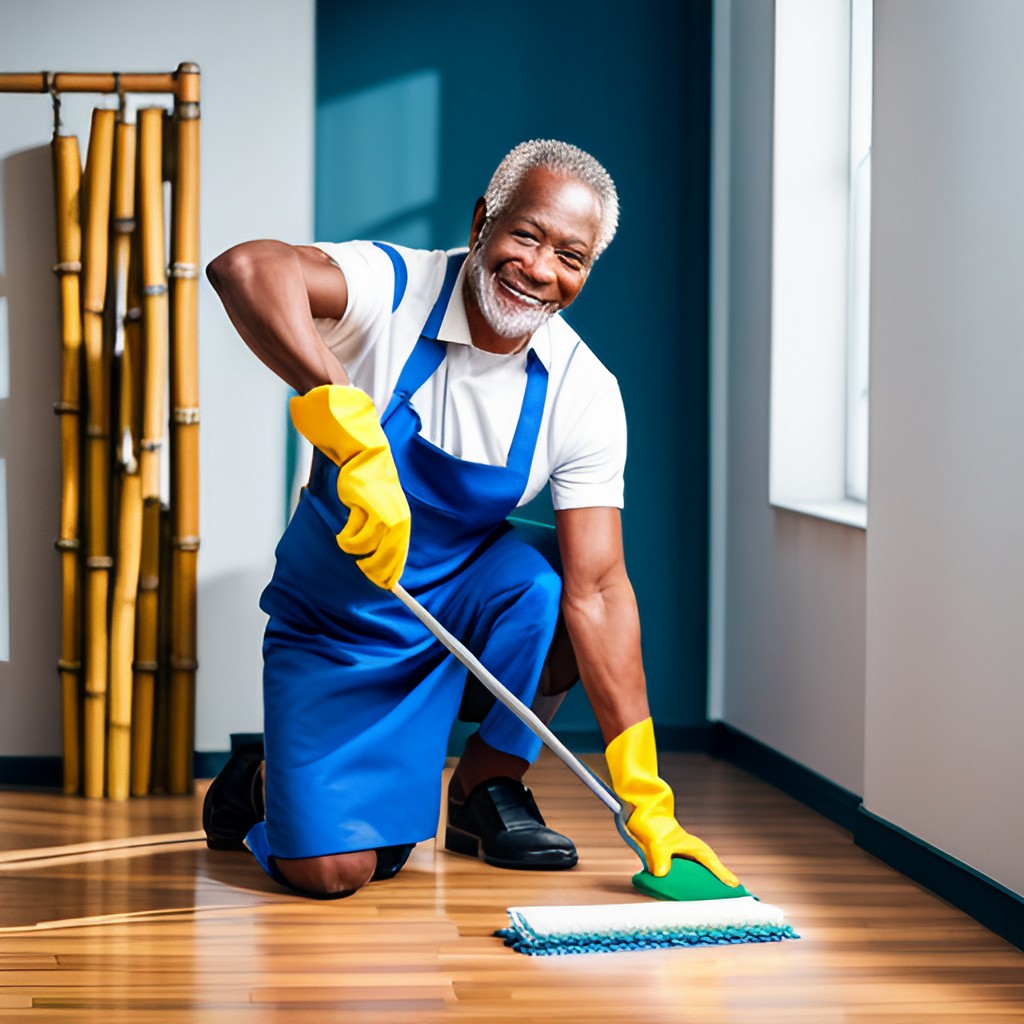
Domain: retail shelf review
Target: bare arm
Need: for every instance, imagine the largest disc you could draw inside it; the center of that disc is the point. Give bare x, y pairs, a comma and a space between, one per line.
271, 292
602, 618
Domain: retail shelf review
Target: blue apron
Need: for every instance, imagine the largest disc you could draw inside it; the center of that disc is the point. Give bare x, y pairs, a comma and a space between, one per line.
359, 698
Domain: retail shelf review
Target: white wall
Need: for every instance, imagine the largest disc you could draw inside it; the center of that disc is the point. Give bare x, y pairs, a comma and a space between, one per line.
892, 664
945, 593
257, 61
789, 589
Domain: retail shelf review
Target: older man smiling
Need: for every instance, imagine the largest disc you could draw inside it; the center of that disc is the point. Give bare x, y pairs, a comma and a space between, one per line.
440, 390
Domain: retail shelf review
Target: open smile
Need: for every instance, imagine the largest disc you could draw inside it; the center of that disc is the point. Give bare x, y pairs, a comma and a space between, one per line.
523, 297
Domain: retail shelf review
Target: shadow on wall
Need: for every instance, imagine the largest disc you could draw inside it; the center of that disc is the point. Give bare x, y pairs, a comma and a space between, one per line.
30, 353
396, 176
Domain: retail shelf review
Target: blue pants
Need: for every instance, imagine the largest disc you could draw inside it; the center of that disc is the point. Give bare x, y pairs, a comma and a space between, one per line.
359, 698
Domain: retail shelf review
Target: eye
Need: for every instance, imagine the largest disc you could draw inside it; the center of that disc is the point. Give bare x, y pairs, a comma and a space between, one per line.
525, 236
572, 259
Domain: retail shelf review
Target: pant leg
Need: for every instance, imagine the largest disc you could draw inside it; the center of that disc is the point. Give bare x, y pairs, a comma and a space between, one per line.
560, 672
505, 611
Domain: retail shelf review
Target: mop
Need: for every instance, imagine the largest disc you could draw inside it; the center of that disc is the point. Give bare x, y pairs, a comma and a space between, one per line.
697, 908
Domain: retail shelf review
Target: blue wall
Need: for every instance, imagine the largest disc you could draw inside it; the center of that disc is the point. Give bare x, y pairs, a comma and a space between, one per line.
417, 103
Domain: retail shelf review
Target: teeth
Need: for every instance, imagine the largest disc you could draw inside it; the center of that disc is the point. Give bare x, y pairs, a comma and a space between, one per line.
528, 299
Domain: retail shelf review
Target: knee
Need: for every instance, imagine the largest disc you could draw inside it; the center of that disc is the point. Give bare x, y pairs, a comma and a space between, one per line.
333, 876
543, 594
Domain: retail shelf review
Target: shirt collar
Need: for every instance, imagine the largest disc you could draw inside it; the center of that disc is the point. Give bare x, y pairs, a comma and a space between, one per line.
455, 324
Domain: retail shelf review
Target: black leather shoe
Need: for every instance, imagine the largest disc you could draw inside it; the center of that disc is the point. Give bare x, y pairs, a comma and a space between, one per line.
499, 822
234, 801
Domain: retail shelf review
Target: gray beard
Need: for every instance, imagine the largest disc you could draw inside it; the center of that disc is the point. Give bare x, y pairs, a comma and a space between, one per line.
505, 322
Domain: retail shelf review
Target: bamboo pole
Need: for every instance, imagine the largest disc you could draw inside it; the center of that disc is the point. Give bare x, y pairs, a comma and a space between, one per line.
142, 709
129, 539
153, 264
78, 81
97, 561
147, 650
184, 428
67, 174
162, 701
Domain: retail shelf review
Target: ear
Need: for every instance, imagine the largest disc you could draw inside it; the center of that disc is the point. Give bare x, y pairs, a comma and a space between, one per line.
479, 216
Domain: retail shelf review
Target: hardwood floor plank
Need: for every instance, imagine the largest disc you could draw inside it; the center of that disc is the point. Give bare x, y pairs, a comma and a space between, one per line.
111, 914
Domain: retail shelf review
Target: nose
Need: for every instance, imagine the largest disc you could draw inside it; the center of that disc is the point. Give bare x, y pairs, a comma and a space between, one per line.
540, 264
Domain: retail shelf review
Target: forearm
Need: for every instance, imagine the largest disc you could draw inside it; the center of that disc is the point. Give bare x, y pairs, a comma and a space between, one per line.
264, 293
604, 626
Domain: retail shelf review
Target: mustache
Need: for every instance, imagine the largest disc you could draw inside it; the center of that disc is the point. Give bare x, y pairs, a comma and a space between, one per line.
525, 287
520, 282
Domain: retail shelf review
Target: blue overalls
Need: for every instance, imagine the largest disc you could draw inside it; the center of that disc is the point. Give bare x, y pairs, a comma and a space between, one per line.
359, 698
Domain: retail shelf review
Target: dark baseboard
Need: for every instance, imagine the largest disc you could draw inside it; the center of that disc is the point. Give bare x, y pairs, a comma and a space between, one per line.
688, 739
679, 739
31, 772
207, 763
47, 772
977, 895
827, 798
983, 898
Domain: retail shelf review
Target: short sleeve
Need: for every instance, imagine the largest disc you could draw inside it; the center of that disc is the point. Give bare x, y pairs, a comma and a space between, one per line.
370, 278
591, 464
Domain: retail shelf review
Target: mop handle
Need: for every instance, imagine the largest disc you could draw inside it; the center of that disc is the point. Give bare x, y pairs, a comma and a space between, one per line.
516, 706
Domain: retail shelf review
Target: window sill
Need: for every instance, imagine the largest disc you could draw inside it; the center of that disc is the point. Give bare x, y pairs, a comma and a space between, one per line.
848, 512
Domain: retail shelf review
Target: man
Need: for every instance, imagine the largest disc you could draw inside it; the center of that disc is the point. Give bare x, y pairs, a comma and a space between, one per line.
440, 391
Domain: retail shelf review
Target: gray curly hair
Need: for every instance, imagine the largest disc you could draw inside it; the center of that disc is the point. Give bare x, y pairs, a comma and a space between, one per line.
564, 158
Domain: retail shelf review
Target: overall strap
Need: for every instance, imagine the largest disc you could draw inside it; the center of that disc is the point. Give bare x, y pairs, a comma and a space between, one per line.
433, 324
428, 353
401, 272
424, 359
524, 441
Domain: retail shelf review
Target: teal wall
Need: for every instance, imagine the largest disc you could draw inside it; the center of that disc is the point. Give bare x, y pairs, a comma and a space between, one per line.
417, 103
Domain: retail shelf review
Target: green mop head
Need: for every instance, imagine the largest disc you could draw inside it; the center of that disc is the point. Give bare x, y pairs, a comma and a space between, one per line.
699, 910
686, 881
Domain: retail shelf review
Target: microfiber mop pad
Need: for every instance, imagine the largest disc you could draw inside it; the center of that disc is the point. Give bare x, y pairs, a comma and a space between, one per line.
557, 931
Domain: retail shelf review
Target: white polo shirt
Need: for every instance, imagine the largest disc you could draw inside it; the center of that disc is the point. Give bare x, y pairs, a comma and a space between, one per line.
470, 405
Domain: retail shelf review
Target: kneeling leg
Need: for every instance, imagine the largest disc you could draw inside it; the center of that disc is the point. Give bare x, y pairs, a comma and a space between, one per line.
329, 877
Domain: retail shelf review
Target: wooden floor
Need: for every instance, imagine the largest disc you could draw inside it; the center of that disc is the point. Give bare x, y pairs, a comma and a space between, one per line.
119, 913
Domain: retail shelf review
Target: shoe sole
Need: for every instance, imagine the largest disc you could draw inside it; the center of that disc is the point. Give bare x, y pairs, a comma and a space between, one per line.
469, 845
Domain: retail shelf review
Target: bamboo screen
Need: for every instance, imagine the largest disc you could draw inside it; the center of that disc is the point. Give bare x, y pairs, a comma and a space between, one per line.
127, 267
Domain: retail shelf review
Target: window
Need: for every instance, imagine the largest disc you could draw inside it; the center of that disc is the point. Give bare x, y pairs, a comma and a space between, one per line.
821, 195
860, 252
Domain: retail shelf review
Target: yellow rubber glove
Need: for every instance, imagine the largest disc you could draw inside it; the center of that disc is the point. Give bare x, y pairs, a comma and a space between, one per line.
342, 422
633, 763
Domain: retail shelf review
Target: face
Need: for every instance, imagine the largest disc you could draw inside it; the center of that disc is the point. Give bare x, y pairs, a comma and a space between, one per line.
533, 260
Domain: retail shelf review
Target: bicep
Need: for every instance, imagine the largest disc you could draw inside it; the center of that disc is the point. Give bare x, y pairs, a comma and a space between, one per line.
590, 545
325, 283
